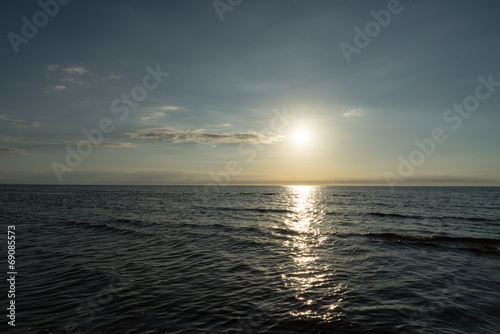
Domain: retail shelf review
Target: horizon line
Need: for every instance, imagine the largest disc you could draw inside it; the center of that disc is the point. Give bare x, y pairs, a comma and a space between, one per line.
240, 185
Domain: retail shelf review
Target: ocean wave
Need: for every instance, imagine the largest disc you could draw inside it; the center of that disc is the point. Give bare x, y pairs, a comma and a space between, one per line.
130, 221
105, 227
472, 219
375, 214
436, 238
335, 213
286, 232
482, 245
260, 210
398, 215
237, 229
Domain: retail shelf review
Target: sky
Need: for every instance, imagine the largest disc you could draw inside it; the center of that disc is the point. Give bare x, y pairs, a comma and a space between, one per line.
231, 92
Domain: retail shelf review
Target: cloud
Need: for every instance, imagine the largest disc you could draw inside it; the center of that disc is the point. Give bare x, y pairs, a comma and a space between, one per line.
19, 126
10, 139
10, 119
67, 75
151, 115
170, 108
113, 77
116, 145
158, 112
75, 70
53, 67
104, 144
11, 151
354, 113
62, 77
58, 87
199, 136
23, 126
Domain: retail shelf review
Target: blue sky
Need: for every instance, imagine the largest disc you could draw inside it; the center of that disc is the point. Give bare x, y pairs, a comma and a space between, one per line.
228, 79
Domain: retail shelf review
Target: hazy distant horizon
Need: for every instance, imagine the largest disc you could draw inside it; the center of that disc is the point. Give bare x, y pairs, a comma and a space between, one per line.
251, 185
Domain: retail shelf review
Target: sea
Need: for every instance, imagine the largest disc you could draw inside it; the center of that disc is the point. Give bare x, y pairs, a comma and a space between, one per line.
251, 259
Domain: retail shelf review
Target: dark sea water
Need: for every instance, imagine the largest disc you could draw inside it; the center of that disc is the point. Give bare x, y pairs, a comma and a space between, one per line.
181, 259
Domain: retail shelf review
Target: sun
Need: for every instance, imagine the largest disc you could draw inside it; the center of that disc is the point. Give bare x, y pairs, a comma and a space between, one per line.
301, 136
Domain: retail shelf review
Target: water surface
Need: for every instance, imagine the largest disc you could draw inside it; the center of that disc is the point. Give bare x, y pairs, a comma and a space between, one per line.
182, 259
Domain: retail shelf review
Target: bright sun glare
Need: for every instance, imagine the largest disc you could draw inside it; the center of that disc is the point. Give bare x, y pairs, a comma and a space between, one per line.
301, 136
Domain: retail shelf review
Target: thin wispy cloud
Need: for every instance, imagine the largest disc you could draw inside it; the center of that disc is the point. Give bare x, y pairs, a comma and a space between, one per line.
169, 108
75, 70
63, 78
18, 123
113, 77
58, 87
10, 139
11, 151
147, 115
10, 119
200, 136
158, 112
105, 144
116, 145
354, 113
66, 75
25, 126
53, 67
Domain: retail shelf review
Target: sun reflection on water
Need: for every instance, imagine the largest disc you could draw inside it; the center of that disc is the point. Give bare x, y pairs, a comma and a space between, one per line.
310, 275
